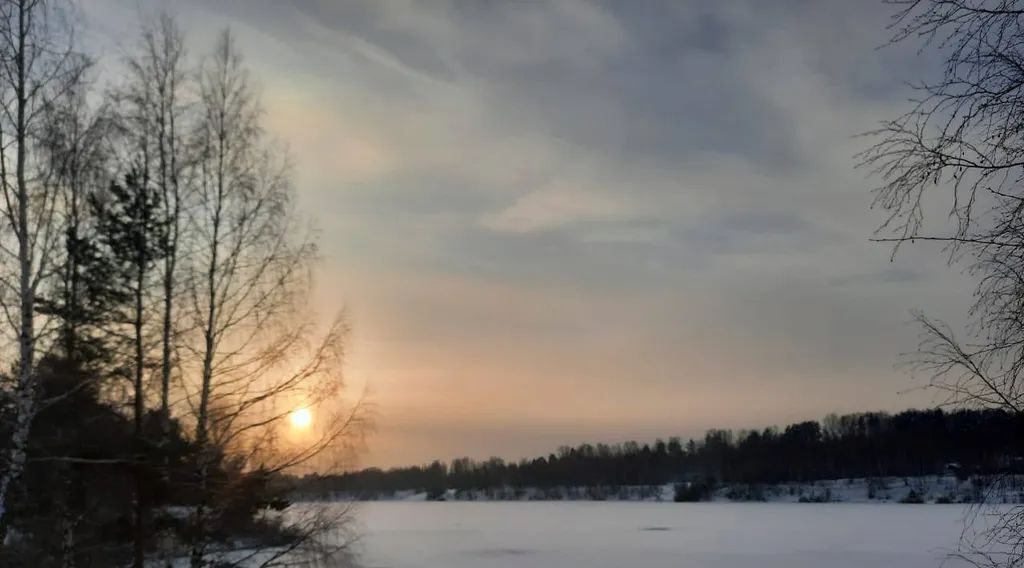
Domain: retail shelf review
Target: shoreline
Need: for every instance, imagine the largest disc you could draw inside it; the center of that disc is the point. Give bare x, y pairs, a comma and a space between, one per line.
934, 489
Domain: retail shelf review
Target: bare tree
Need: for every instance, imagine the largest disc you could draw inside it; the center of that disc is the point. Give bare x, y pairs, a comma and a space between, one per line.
76, 145
153, 106
255, 354
205, 275
37, 66
964, 135
157, 78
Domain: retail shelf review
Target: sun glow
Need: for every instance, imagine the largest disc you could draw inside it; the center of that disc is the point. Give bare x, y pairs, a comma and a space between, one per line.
301, 418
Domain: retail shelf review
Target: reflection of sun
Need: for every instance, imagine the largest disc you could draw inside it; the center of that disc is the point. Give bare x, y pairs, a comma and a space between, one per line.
301, 418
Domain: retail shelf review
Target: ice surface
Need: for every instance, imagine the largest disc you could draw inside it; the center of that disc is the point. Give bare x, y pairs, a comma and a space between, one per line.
655, 535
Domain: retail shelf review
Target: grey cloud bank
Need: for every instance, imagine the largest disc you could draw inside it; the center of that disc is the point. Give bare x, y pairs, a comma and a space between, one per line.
592, 220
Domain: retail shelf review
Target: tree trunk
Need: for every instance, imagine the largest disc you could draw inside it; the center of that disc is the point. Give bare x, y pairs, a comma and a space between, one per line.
139, 544
25, 390
142, 247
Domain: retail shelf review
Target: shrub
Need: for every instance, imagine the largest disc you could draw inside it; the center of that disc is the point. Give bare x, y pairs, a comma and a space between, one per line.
693, 492
824, 497
752, 492
913, 497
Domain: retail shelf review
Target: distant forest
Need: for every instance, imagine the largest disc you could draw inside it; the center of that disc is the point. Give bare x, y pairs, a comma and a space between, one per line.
862, 445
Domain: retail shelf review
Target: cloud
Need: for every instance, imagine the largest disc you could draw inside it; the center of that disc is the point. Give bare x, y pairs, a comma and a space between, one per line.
643, 212
553, 207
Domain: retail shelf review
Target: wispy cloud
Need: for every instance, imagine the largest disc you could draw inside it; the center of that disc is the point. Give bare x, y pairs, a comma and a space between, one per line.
625, 211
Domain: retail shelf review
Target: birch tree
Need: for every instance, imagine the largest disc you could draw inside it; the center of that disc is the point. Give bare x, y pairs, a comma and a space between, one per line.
76, 145
253, 352
37, 66
962, 136
157, 79
153, 102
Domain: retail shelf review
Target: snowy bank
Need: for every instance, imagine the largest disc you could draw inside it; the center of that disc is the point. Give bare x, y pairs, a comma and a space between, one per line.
926, 489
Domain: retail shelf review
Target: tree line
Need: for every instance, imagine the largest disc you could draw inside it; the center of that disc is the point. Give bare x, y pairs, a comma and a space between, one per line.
863, 445
154, 275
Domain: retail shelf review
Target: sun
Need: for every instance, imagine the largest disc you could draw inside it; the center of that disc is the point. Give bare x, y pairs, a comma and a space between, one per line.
301, 418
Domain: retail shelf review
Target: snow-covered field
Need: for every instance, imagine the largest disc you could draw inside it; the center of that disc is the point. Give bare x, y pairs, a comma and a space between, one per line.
655, 535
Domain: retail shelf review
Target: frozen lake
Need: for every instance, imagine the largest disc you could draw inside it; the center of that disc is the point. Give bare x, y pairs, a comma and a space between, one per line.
655, 535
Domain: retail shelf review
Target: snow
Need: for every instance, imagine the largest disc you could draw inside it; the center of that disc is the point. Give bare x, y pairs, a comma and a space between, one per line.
400, 534
930, 489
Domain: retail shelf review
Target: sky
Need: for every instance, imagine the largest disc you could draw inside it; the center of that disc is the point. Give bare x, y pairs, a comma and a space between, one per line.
590, 220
